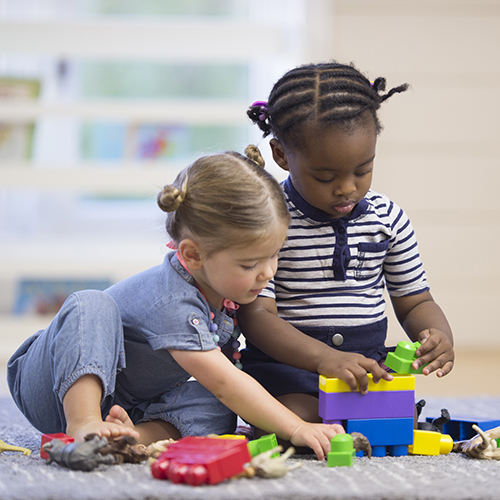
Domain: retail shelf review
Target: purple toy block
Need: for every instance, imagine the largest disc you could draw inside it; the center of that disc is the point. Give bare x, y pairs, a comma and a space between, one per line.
354, 405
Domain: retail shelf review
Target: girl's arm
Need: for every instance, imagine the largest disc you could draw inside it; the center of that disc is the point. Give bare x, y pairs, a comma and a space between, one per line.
262, 326
247, 398
423, 320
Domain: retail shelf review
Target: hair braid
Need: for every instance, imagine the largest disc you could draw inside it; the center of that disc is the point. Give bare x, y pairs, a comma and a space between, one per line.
324, 94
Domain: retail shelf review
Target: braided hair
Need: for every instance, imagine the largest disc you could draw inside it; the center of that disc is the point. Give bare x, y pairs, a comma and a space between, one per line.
322, 94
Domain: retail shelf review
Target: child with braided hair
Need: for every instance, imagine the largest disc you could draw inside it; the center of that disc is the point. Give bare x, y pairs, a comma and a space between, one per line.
324, 311
122, 361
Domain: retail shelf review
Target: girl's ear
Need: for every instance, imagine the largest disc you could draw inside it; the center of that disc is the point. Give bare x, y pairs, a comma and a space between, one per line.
279, 154
191, 254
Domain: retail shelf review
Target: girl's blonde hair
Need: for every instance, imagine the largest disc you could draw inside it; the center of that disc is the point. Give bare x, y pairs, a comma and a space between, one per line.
224, 200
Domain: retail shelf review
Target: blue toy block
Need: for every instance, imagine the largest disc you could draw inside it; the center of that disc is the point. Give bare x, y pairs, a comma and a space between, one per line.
354, 405
460, 427
387, 436
383, 431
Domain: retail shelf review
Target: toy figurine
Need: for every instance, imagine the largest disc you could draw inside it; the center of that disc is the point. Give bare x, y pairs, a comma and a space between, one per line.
94, 451
8, 447
265, 466
437, 424
483, 445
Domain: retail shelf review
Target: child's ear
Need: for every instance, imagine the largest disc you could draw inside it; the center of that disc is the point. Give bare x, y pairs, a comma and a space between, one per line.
279, 154
191, 254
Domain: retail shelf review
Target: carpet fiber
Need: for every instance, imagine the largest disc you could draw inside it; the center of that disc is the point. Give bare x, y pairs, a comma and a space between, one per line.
407, 478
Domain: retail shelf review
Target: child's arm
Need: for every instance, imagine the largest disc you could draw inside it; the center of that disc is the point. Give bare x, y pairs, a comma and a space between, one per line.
247, 398
277, 338
423, 320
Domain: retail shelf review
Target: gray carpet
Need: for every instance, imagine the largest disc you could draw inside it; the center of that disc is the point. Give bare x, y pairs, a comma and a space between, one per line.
406, 478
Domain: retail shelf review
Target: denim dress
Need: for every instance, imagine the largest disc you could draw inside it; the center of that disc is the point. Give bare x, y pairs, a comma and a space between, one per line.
123, 335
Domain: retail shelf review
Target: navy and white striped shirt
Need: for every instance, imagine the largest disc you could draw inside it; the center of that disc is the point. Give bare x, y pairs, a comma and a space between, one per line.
333, 271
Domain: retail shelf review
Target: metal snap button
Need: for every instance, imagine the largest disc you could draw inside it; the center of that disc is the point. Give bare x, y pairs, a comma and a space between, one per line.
337, 339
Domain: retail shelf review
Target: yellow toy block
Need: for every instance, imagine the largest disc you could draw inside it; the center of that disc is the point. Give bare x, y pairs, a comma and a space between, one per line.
430, 443
227, 436
400, 382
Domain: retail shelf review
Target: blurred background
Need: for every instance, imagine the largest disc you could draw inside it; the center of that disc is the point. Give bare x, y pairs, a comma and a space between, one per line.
102, 102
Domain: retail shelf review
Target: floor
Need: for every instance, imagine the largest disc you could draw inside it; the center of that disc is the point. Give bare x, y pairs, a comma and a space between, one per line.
475, 373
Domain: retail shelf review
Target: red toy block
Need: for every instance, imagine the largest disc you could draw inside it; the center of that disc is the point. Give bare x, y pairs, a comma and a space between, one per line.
201, 460
47, 438
336, 406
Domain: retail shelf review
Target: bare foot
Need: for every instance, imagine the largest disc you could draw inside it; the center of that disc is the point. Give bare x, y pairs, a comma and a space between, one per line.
108, 429
117, 415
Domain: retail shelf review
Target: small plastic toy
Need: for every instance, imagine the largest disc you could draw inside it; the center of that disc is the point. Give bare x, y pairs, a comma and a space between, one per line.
432, 424
94, 451
483, 445
342, 451
430, 443
47, 438
264, 443
401, 359
270, 464
8, 447
460, 427
200, 460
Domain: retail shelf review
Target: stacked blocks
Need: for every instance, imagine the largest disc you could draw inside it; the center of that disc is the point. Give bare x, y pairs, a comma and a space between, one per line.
342, 451
402, 358
385, 415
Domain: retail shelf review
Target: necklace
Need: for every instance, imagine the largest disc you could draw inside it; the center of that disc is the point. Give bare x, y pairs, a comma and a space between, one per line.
230, 308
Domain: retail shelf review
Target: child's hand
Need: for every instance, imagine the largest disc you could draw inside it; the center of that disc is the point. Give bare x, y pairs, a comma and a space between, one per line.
436, 350
352, 368
316, 436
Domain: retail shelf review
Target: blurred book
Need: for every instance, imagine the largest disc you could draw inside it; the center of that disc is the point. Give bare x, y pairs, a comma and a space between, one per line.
16, 139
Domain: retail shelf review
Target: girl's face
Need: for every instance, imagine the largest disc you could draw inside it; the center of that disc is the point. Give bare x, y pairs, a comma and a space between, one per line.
240, 273
333, 170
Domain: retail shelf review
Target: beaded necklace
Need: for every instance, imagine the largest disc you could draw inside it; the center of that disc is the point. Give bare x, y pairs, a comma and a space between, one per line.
230, 308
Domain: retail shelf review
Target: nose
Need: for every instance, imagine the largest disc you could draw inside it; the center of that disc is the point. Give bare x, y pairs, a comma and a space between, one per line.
345, 186
268, 271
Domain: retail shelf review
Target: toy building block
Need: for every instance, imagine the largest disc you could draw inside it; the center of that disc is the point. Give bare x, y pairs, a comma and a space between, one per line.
430, 443
401, 359
264, 443
400, 382
201, 460
460, 427
46, 438
335, 406
387, 436
342, 451
8, 447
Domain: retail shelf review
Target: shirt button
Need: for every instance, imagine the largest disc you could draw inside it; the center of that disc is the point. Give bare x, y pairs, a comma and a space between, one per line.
341, 243
341, 230
337, 340
195, 321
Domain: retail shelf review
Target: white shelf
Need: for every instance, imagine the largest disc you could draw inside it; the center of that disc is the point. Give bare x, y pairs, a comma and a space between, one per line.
174, 41
178, 111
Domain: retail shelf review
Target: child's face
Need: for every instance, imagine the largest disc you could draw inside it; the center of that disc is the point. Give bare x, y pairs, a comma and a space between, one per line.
240, 273
333, 170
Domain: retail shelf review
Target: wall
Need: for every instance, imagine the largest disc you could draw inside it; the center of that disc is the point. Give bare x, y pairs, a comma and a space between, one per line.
439, 154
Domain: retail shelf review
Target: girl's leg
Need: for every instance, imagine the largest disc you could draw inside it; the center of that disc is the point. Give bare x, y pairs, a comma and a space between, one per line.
85, 338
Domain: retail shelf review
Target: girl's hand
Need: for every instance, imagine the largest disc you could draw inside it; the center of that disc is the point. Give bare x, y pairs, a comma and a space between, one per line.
316, 436
436, 350
352, 368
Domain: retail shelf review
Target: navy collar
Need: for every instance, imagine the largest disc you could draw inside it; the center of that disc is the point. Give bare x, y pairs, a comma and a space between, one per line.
316, 214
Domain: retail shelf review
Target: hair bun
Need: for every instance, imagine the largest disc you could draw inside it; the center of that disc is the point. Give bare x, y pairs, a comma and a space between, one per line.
171, 197
253, 153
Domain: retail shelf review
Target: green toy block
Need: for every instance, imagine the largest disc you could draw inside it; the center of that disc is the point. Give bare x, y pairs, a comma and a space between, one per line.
400, 361
342, 451
265, 443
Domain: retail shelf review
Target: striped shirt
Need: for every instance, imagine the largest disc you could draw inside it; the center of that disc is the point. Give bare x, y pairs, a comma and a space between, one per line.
332, 272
